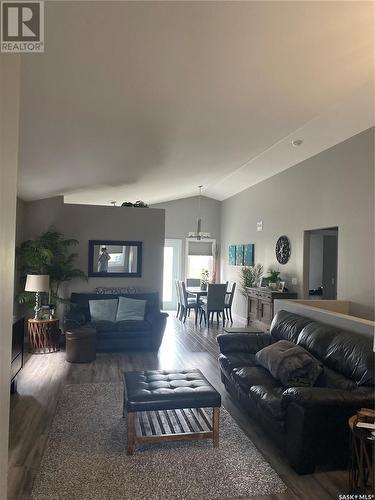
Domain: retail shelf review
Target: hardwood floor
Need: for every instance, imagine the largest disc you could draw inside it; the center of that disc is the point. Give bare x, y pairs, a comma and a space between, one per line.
43, 377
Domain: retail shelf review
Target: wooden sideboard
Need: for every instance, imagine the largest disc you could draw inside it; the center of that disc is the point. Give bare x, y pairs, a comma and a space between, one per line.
260, 305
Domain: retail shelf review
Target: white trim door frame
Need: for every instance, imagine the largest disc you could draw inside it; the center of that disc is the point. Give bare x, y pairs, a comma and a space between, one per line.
171, 272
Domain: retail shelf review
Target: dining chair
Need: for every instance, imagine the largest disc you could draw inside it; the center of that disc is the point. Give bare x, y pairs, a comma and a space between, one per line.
178, 298
193, 282
231, 287
182, 302
188, 303
215, 303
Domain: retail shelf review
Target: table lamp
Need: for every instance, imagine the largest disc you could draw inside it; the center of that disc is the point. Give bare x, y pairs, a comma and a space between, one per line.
37, 283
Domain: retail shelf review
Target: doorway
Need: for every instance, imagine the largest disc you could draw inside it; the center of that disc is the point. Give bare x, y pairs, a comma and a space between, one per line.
321, 247
171, 272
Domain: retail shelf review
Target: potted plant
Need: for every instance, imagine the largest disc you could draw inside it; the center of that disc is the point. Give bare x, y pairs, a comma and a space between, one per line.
48, 254
250, 277
273, 278
204, 279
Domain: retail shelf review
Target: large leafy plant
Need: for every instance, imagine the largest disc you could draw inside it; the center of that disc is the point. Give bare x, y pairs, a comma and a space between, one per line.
50, 253
250, 277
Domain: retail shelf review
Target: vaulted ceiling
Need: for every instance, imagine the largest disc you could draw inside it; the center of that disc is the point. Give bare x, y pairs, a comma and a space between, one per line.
147, 100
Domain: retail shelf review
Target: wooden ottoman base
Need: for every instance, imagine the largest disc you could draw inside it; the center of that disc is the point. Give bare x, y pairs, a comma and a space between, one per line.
172, 425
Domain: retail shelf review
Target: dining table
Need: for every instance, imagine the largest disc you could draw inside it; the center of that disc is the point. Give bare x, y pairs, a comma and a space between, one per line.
198, 293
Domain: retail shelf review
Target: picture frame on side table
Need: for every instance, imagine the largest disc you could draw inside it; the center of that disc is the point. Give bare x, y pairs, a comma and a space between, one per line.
263, 283
281, 286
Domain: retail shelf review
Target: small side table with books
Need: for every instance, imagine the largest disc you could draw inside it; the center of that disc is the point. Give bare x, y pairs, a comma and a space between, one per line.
362, 449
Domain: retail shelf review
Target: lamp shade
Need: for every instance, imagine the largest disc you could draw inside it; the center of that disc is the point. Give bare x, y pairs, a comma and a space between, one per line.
37, 283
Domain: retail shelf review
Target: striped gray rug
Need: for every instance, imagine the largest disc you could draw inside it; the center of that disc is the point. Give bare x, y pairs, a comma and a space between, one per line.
85, 457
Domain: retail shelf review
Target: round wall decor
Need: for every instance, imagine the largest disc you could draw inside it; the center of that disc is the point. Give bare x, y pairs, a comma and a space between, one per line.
283, 249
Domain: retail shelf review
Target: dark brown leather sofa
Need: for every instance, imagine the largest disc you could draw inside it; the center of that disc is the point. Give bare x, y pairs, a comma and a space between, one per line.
310, 424
130, 335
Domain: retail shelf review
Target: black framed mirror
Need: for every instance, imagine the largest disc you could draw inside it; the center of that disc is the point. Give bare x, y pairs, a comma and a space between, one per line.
115, 259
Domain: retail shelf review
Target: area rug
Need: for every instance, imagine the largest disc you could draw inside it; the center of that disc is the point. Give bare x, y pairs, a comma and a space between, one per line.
85, 457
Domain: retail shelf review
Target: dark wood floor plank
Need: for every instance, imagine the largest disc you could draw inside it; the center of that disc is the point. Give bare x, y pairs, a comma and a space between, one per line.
184, 345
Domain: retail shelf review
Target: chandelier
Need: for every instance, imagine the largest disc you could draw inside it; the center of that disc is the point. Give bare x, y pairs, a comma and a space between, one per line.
199, 234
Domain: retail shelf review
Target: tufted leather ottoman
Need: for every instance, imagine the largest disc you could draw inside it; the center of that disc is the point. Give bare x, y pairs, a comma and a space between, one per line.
175, 397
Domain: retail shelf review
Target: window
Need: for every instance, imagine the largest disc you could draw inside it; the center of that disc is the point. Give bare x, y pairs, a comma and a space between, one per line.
200, 255
198, 262
117, 259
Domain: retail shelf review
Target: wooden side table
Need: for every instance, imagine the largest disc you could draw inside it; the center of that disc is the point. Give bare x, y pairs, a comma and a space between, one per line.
362, 450
43, 335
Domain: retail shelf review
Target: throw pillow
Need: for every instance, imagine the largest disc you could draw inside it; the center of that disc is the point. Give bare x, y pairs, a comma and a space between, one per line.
130, 309
290, 363
103, 310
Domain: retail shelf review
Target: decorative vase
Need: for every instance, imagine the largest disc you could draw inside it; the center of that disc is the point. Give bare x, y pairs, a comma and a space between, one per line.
273, 286
203, 285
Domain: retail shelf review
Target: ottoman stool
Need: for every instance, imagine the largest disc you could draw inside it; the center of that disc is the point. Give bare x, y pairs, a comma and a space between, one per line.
80, 345
164, 405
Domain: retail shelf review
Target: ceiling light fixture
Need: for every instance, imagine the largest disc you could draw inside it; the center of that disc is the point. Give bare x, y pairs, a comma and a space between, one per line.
199, 234
297, 142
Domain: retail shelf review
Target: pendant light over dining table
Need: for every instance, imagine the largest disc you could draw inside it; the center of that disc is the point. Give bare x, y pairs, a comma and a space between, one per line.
199, 234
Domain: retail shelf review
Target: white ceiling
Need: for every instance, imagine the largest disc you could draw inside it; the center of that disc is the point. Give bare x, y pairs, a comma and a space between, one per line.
147, 100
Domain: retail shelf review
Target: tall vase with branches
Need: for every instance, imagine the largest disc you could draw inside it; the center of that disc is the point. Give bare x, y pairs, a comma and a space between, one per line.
49, 254
250, 277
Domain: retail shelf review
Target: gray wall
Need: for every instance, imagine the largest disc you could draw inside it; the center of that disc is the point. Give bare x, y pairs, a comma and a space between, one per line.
333, 188
85, 222
181, 218
20, 227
